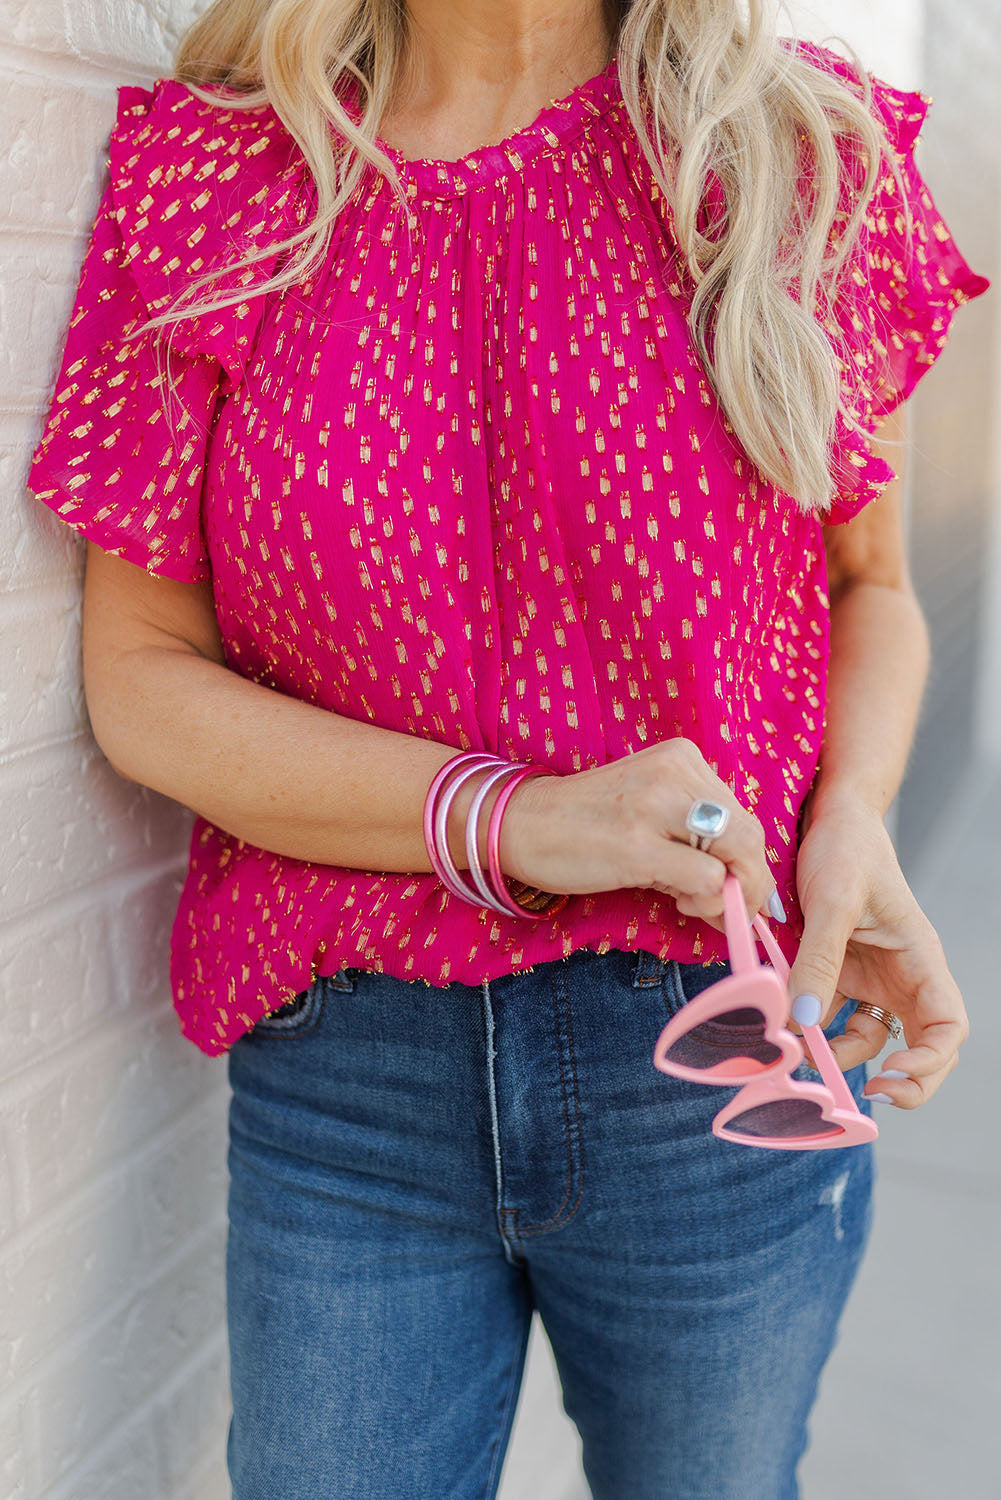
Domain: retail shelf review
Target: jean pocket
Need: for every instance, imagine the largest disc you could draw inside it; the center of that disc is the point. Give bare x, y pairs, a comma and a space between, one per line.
303, 1011
684, 981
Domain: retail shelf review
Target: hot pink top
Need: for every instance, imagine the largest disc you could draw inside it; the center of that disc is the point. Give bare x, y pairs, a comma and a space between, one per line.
475, 488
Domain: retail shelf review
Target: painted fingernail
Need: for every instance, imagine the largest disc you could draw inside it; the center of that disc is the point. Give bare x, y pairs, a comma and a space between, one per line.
775, 906
880, 1098
892, 1073
807, 1009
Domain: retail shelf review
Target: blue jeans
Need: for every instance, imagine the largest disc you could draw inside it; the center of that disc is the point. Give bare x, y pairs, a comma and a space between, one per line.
414, 1169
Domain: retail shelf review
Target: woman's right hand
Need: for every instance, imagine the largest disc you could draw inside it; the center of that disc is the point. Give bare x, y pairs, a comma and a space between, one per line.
623, 824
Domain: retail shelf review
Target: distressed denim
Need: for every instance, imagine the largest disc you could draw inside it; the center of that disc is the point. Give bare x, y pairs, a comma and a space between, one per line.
415, 1169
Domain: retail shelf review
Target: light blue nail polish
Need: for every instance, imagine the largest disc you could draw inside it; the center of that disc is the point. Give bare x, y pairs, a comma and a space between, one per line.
892, 1073
807, 1009
880, 1098
775, 906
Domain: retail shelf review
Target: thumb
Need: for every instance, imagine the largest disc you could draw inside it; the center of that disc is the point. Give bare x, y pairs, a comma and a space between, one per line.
814, 977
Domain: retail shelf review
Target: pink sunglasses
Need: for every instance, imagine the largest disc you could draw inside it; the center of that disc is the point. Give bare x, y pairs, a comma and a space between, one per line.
734, 1032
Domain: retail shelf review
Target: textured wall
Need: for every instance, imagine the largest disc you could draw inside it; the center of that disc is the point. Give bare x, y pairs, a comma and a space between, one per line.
112, 1372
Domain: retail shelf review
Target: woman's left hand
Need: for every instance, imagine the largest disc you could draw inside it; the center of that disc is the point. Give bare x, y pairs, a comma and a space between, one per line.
866, 938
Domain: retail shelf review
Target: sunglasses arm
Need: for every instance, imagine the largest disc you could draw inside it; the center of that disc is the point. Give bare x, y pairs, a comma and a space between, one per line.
820, 1048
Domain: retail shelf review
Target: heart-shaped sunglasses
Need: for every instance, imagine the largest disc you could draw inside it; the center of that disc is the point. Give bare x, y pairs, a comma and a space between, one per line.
734, 1032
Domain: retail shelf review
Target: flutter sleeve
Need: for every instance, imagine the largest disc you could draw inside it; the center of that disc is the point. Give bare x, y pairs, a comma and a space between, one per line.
122, 454
898, 294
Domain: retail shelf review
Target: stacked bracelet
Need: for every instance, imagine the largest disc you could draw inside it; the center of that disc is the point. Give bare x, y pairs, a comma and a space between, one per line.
490, 888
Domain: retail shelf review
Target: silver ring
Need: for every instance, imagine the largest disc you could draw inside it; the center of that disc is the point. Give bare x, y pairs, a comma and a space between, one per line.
889, 1020
706, 820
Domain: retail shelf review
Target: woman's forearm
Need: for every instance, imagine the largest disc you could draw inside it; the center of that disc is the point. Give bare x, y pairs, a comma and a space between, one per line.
310, 784
880, 655
281, 773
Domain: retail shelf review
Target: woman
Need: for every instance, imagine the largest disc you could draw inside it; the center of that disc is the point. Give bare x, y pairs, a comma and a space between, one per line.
526, 378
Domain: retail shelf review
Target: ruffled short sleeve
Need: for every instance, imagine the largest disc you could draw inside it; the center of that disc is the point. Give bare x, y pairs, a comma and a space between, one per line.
897, 297
122, 455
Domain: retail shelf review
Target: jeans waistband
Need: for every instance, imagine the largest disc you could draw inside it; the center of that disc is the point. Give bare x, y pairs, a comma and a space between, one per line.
646, 968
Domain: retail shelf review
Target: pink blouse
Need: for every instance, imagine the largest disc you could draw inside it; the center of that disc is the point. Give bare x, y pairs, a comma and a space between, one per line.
472, 486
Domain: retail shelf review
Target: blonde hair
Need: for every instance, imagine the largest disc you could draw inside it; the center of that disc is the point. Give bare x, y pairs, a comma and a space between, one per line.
728, 102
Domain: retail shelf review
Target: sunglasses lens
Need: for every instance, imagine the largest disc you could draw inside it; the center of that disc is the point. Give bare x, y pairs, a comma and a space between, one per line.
784, 1119
737, 1035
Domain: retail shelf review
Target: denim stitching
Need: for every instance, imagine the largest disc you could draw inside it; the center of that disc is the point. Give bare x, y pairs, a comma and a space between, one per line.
657, 967
555, 1222
345, 985
717, 1032
502, 1212
673, 973
301, 1021
681, 999
306, 1017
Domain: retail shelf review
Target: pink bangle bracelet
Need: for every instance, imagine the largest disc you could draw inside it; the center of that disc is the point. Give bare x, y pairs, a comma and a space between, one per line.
495, 897
491, 892
493, 839
479, 896
436, 809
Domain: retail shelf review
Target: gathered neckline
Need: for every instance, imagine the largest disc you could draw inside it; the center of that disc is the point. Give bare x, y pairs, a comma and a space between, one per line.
557, 122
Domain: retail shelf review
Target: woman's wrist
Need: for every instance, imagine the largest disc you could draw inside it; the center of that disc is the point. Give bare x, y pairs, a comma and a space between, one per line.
465, 810
839, 797
521, 826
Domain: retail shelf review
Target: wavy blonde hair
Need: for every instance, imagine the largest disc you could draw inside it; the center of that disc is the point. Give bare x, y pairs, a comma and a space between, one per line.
728, 103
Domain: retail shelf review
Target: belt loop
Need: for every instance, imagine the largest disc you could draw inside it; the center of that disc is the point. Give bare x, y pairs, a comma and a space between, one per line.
342, 979
648, 969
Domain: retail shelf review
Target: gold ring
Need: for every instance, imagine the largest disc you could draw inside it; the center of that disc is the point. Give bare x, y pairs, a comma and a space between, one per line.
889, 1020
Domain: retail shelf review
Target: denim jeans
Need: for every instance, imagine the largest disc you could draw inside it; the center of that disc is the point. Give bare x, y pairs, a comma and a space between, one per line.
415, 1169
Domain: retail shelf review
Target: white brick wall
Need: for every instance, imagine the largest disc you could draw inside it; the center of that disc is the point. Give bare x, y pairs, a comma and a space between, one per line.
113, 1378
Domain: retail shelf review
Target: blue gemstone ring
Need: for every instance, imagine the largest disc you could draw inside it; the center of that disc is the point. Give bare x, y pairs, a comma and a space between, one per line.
705, 822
